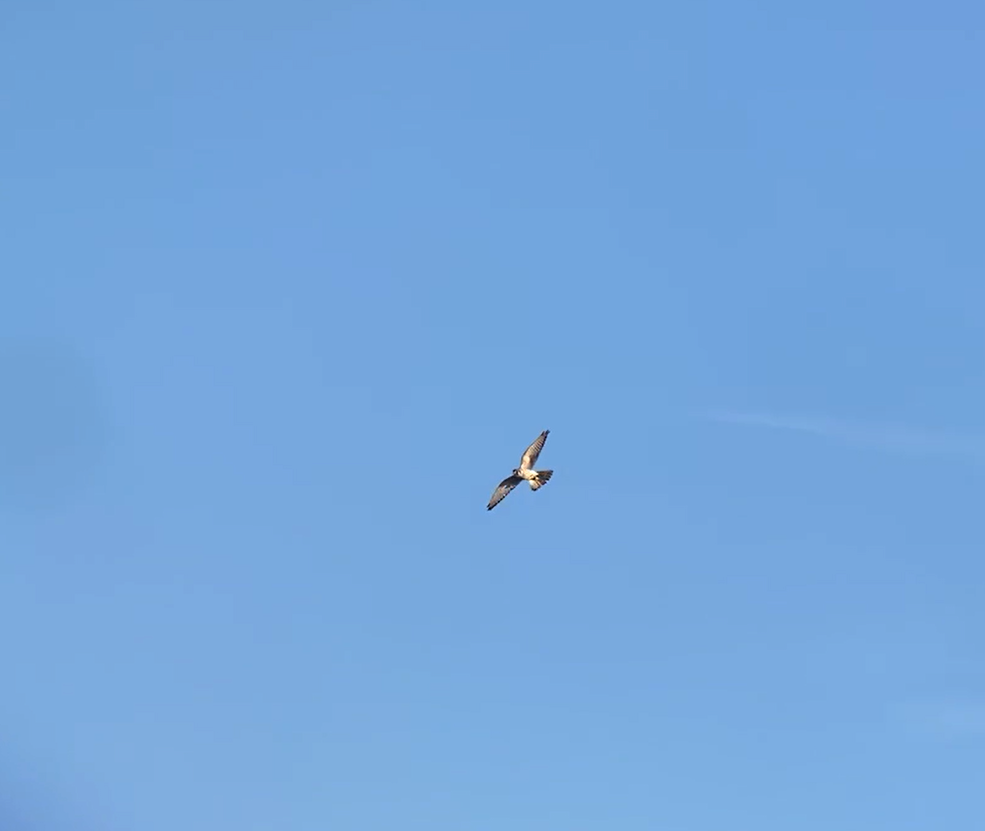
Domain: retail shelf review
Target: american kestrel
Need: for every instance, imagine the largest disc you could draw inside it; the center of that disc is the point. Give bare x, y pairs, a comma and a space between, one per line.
536, 478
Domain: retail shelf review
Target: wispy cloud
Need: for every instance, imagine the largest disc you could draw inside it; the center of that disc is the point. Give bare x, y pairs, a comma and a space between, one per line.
882, 436
950, 718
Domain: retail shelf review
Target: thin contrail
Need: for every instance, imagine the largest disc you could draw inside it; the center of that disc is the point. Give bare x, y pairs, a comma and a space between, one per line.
883, 436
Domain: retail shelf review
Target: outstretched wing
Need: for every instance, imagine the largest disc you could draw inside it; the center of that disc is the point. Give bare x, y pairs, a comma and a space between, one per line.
503, 490
531, 454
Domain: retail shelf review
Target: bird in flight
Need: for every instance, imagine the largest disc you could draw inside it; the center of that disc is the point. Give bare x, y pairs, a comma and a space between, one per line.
536, 478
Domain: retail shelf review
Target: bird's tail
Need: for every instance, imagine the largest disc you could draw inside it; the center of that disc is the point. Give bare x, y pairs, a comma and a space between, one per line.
543, 476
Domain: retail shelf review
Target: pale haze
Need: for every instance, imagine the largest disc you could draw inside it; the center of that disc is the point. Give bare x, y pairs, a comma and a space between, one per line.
287, 290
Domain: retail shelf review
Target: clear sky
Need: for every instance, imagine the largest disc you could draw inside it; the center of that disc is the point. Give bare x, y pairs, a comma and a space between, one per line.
288, 288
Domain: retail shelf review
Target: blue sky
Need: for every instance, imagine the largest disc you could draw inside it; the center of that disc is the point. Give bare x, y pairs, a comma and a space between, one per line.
289, 287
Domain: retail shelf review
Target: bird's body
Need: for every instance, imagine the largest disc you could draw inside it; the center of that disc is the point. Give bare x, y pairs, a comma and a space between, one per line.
525, 472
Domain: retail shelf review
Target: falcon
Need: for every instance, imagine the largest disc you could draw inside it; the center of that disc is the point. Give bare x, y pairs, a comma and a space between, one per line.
536, 478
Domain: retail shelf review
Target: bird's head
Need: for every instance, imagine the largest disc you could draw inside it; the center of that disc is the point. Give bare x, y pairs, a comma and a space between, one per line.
516, 471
